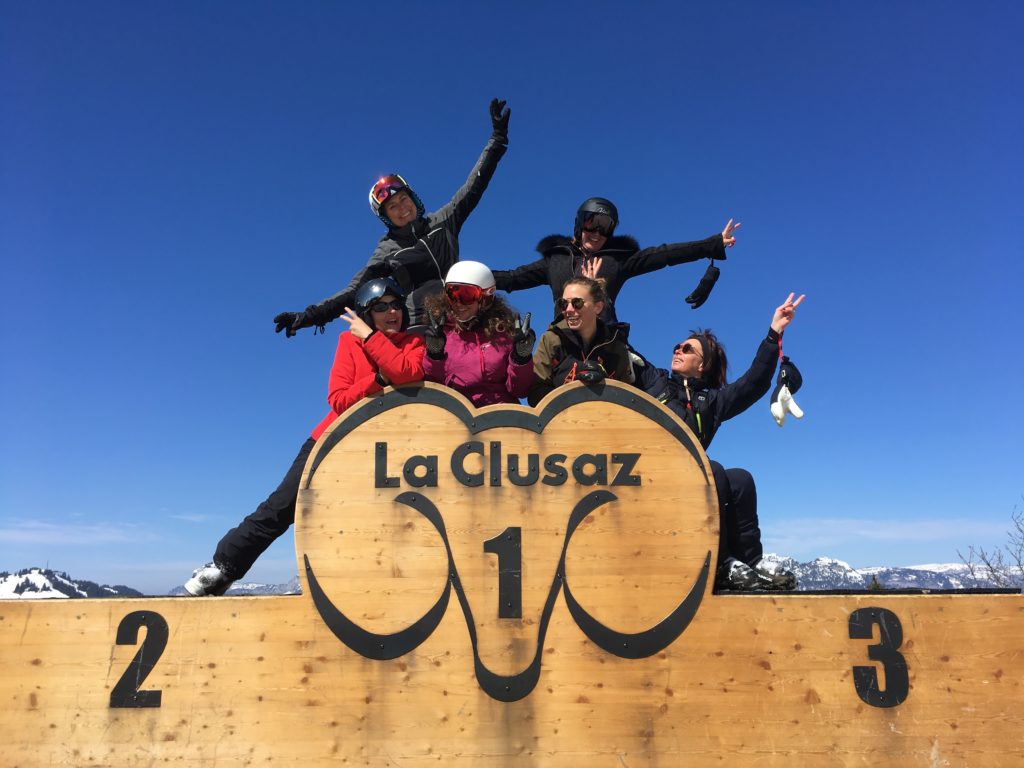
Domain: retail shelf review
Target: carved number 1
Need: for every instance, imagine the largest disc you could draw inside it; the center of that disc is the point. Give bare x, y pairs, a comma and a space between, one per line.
508, 546
890, 635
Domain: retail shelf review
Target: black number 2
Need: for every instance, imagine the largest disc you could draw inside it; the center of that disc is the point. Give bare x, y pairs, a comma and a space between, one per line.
508, 546
890, 635
126, 693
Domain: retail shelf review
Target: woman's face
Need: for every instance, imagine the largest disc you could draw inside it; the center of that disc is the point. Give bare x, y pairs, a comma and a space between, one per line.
592, 241
582, 318
687, 359
387, 314
400, 209
463, 312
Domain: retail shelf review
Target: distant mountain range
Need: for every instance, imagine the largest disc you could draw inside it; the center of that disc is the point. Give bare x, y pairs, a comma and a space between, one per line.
821, 574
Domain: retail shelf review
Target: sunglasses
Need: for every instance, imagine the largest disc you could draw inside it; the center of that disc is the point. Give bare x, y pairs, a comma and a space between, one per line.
577, 303
386, 306
387, 186
688, 349
460, 293
600, 223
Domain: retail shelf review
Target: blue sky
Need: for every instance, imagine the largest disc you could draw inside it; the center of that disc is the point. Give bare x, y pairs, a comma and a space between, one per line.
175, 174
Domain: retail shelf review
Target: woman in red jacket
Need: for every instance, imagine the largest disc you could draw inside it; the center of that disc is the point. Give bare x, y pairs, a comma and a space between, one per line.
375, 352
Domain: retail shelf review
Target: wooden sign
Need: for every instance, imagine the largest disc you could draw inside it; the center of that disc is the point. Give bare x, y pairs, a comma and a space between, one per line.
512, 586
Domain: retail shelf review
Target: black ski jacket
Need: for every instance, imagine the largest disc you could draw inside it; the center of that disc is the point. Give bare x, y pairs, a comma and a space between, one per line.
621, 259
707, 407
419, 254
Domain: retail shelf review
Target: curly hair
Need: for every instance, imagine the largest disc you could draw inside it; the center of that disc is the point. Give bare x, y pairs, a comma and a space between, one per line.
497, 317
716, 364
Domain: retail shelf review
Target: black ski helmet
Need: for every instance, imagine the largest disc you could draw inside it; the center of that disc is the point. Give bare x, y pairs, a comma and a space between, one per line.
372, 290
596, 206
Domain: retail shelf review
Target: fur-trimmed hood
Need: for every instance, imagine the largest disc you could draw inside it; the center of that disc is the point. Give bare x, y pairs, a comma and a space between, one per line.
551, 243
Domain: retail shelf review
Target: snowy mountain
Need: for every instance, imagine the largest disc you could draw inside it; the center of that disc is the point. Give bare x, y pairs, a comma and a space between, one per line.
823, 573
40, 583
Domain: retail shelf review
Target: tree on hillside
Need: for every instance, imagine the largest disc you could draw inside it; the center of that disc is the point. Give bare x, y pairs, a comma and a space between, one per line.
1003, 567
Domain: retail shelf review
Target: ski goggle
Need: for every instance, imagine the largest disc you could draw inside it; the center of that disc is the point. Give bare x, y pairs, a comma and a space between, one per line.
386, 306
601, 223
387, 186
462, 293
576, 301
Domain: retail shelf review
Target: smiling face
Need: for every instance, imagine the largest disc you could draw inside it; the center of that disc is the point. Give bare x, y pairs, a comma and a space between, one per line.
400, 209
687, 360
582, 318
592, 241
386, 314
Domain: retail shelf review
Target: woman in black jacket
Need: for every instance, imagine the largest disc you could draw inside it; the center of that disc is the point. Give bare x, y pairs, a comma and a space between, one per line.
419, 248
696, 389
595, 251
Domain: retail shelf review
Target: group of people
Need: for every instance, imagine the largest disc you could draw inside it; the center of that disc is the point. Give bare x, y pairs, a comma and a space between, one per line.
417, 312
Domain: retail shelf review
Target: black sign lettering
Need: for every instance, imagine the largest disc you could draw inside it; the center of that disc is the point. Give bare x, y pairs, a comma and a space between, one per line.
890, 635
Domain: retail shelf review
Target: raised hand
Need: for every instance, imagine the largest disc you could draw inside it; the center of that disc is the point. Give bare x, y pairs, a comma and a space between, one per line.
356, 324
784, 313
728, 238
435, 338
591, 267
523, 339
499, 119
286, 322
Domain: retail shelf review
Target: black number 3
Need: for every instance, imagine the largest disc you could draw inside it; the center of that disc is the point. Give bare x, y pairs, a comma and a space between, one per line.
126, 693
890, 635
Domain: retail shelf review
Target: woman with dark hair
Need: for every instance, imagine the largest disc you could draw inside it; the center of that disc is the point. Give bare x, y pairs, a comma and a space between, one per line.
697, 390
579, 345
475, 343
418, 248
375, 352
595, 250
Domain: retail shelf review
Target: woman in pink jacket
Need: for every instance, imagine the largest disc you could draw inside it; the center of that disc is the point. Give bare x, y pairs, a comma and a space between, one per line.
476, 344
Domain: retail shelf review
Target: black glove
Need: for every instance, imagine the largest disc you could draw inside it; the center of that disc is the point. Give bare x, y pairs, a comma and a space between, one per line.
435, 338
284, 322
789, 376
523, 339
703, 290
590, 372
499, 120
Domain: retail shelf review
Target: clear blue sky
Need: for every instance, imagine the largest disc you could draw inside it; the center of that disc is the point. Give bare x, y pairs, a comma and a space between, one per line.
172, 175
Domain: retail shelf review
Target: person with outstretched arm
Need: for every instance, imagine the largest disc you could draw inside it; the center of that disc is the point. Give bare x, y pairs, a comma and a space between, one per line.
418, 248
696, 389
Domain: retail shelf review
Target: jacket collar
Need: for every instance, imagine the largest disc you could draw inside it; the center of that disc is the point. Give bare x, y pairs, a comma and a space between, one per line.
553, 244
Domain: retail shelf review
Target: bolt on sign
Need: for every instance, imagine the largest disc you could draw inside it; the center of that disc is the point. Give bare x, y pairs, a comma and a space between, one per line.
512, 586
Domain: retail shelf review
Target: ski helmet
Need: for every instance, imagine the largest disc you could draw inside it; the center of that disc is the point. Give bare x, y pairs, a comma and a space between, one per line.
595, 207
469, 281
384, 188
372, 290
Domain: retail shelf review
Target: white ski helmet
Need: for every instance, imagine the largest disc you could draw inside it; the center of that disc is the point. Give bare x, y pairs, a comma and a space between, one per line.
471, 273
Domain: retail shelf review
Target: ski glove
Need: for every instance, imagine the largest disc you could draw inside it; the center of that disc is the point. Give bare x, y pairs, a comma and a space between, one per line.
499, 120
523, 339
435, 339
590, 372
703, 290
786, 386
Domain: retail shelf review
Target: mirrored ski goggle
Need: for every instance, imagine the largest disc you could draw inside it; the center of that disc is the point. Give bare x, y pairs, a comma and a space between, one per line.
460, 293
576, 301
601, 223
387, 186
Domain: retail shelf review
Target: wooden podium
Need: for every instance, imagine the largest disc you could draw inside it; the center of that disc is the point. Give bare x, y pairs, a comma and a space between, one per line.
512, 586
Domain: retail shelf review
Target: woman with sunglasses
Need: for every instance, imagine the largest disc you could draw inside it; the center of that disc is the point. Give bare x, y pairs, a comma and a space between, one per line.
376, 351
595, 251
419, 247
579, 345
697, 390
475, 342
